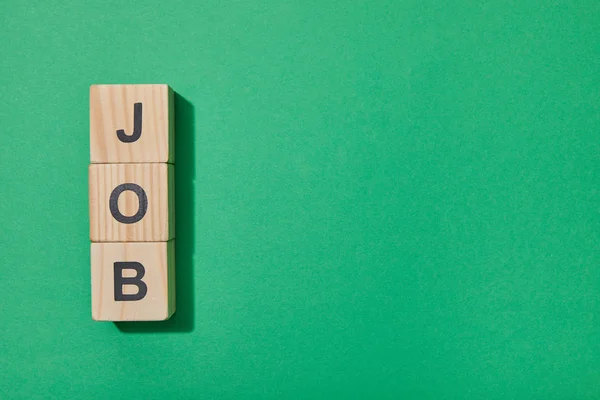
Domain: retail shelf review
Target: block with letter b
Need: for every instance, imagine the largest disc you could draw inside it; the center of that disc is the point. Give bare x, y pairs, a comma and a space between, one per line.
131, 124
131, 202
133, 281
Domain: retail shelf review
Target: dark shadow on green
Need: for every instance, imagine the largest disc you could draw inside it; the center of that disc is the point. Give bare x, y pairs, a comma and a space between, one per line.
183, 319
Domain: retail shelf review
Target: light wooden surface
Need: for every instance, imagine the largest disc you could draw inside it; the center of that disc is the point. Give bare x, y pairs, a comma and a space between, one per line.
112, 109
157, 181
158, 261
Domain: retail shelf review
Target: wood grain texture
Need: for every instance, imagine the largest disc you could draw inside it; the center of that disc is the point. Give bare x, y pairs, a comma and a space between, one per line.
157, 181
112, 109
158, 261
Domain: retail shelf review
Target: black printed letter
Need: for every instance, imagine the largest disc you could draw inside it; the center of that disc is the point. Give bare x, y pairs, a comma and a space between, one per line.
137, 126
137, 281
113, 203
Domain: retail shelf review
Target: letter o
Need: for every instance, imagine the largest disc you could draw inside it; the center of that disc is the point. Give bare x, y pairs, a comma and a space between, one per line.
114, 203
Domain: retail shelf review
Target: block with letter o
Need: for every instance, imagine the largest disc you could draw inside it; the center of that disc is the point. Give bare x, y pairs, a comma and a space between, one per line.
131, 202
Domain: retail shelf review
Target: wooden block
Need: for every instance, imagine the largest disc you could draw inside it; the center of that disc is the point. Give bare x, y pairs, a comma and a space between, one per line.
133, 281
131, 202
131, 124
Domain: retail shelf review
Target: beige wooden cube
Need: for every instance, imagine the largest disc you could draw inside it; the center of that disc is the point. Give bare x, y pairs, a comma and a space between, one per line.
133, 281
131, 202
131, 124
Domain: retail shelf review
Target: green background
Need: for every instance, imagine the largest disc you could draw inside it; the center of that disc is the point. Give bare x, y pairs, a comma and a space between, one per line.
386, 199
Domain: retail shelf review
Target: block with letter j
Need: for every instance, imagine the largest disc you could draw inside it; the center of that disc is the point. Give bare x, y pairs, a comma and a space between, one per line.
131, 124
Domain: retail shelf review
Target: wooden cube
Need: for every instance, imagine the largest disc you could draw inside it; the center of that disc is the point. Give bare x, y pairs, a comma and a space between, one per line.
131, 202
131, 124
133, 281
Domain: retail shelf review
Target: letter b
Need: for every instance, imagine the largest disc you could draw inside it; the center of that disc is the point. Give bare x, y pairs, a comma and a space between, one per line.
120, 280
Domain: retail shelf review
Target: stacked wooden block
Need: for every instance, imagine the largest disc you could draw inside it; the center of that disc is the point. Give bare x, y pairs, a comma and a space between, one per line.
132, 224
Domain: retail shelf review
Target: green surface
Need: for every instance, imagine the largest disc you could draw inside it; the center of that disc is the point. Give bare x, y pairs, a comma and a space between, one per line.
388, 199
